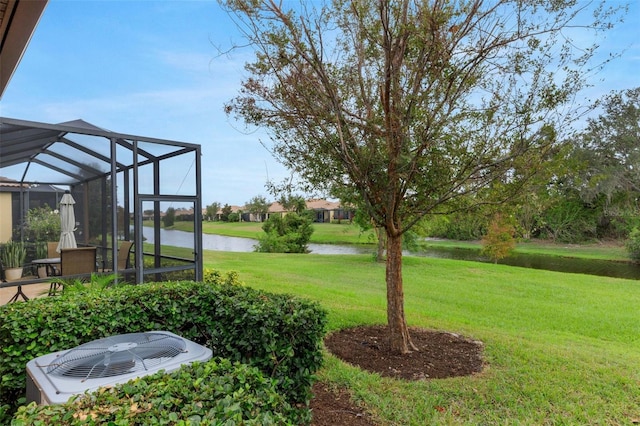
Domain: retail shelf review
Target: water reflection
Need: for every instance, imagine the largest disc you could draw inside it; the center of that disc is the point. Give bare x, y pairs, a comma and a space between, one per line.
209, 241
604, 268
222, 243
551, 263
339, 249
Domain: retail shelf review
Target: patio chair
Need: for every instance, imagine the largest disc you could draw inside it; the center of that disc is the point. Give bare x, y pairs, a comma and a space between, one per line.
81, 260
54, 268
75, 261
52, 247
124, 256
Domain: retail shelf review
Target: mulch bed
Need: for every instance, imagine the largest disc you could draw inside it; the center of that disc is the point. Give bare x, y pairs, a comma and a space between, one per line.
333, 407
440, 355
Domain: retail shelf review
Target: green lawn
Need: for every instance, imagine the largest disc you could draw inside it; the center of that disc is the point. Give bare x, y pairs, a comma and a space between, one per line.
559, 348
603, 251
324, 233
329, 233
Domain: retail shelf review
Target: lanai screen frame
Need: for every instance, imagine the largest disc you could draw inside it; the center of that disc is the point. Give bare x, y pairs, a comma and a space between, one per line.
25, 143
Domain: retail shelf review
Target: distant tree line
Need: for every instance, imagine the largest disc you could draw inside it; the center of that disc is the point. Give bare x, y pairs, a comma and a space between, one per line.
590, 189
257, 206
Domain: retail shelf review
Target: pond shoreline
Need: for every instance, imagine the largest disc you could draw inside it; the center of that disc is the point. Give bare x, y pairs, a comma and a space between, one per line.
609, 251
351, 235
558, 260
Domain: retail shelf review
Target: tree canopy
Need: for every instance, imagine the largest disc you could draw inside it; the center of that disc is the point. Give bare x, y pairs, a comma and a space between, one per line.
410, 106
609, 149
212, 210
258, 206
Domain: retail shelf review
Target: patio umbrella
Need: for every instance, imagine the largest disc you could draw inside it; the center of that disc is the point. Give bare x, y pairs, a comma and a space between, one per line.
67, 222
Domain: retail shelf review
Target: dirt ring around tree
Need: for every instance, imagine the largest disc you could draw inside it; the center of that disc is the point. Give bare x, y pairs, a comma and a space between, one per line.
440, 355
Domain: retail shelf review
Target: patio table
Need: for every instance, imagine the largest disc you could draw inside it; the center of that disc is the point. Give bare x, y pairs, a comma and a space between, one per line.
50, 264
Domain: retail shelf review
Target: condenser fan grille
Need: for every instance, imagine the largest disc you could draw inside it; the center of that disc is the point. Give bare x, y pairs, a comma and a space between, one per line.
117, 355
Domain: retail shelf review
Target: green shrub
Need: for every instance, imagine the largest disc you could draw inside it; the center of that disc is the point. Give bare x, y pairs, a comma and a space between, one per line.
569, 221
96, 284
169, 217
633, 244
214, 392
455, 226
288, 234
214, 276
42, 224
499, 242
279, 334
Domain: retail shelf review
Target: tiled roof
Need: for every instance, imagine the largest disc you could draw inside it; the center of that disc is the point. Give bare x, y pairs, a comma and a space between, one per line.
318, 204
234, 209
10, 183
276, 208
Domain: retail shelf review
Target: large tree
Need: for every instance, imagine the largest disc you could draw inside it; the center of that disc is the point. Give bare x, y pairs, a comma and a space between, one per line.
258, 206
609, 153
410, 105
212, 210
292, 202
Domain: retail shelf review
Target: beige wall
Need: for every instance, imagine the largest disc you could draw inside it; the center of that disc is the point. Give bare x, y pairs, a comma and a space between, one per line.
5, 217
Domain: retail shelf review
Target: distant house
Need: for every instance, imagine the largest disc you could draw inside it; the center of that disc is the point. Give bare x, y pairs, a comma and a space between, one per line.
183, 214
17, 199
324, 212
234, 209
277, 209
330, 211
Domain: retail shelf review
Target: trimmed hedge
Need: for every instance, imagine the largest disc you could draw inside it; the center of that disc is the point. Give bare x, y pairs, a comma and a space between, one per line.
279, 334
215, 392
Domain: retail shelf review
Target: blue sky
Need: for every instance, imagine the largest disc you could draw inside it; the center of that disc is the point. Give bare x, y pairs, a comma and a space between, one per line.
151, 68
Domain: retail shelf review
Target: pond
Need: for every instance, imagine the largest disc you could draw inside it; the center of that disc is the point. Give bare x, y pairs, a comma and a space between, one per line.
222, 243
550, 263
604, 268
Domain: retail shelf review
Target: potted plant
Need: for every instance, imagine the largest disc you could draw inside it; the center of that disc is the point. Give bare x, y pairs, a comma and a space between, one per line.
42, 250
12, 258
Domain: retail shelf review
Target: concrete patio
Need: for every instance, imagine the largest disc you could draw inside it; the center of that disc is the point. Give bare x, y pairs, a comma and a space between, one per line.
31, 290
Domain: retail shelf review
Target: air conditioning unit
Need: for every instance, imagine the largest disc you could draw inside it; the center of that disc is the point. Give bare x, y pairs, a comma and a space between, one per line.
54, 378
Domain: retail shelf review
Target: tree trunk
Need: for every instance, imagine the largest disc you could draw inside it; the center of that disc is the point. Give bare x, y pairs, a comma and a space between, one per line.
399, 338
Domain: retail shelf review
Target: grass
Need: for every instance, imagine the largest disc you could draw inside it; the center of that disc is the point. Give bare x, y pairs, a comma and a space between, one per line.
560, 348
324, 233
601, 251
331, 233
